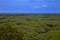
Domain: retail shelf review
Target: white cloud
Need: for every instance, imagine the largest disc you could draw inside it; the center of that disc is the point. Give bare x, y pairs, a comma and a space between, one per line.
36, 7
38, 0
44, 5
20, 1
51, 0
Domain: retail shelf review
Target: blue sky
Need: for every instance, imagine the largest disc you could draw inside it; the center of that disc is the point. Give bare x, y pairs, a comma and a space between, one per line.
30, 6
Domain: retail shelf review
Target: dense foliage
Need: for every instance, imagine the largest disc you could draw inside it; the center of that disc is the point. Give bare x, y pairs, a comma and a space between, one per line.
30, 27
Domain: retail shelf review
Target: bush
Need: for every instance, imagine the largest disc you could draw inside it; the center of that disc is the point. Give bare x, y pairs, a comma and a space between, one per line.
10, 34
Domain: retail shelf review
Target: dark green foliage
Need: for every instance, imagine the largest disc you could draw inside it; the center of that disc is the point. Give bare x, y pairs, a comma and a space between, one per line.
19, 23
51, 25
30, 27
9, 33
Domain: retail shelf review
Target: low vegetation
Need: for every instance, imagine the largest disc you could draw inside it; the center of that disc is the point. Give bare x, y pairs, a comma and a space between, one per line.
30, 27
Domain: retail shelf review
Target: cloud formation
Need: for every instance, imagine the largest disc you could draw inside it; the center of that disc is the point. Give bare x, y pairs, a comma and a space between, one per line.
30, 5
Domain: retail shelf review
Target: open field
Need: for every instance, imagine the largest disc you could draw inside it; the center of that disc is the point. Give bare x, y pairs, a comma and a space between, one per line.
30, 27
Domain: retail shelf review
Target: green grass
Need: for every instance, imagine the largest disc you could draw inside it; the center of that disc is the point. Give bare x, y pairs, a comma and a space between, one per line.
30, 27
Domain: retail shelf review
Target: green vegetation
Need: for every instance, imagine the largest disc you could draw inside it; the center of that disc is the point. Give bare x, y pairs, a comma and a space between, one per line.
30, 27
